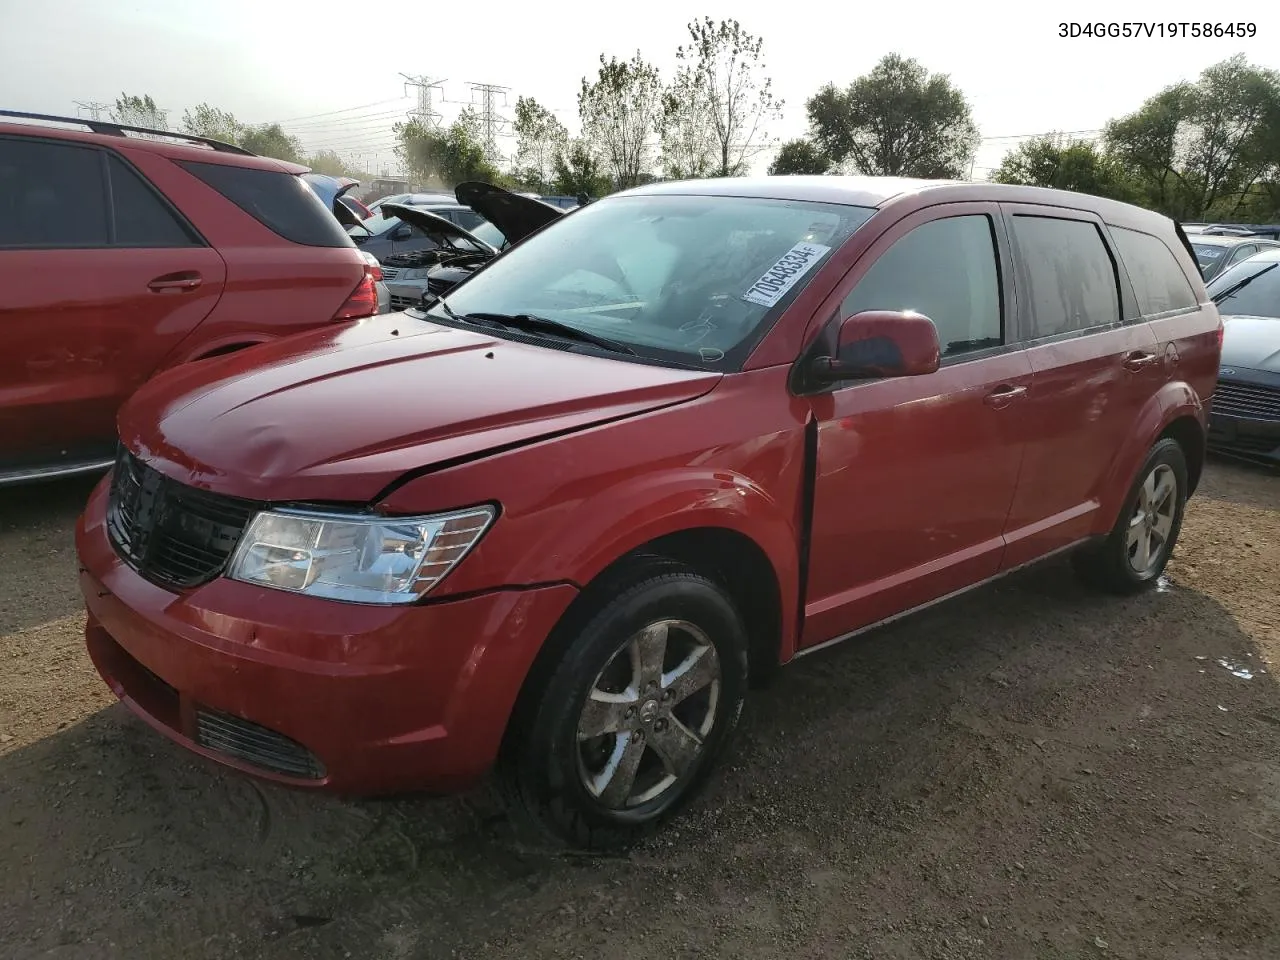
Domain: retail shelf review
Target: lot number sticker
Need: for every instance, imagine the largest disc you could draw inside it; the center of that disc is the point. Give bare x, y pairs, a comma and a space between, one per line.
782, 276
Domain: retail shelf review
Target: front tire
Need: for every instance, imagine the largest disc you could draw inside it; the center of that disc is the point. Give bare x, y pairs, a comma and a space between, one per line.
643, 702
1137, 550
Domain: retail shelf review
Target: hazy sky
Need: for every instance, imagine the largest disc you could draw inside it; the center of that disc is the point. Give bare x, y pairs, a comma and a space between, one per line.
329, 69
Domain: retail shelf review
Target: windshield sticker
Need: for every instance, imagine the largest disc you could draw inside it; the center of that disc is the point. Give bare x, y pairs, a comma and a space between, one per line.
1208, 253
784, 274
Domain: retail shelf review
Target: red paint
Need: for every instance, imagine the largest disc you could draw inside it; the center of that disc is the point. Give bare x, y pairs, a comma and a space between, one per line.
866, 500
84, 328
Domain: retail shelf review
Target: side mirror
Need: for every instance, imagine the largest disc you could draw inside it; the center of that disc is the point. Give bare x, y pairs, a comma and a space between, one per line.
402, 232
881, 343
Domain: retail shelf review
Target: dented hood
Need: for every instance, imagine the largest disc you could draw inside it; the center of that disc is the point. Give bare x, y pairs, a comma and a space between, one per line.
514, 215
337, 415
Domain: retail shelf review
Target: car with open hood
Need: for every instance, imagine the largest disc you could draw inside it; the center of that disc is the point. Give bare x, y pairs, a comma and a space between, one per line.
559, 519
508, 219
1245, 419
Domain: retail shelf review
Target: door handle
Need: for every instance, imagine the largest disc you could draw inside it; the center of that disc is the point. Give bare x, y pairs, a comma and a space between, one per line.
1138, 360
175, 281
1003, 395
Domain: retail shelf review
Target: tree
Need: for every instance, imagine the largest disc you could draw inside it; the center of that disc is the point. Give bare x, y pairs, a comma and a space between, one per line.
799, 156
722, 74
1051, 161
332, 163
270, 140
207, 121
620, 111
446, 157
1198, 145
540, 138
577, 171
139, 112
688, 136
897, 120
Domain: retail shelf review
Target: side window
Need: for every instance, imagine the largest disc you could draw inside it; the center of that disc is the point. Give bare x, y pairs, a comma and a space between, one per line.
281, 202
469, 219
1158, 281
142, 218
1071, 280
1243, 252
946, 270
51, 195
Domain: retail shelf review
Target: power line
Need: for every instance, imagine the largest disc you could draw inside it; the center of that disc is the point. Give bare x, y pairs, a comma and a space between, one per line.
376, 103
92, 107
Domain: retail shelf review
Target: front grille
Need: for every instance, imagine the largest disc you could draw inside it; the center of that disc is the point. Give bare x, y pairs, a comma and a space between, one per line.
172, 534
1248, 400
404, 303
256, 744
389, 273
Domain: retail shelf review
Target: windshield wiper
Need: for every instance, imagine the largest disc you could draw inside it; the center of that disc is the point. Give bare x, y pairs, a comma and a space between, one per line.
527, 321
1235, 288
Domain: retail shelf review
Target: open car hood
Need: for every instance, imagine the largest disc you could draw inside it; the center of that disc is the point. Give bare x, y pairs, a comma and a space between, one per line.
514, 215
436, 227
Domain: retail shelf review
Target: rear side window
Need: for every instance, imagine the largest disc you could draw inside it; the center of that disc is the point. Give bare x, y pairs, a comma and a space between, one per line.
1069, 275
1158, 281
51, 195
142, 218
946, 270
281, 202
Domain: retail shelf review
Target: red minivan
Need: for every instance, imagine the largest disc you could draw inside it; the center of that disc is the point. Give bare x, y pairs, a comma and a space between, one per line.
125, 251
557, 520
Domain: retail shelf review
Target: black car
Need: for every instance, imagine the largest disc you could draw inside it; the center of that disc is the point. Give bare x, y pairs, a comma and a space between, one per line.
1218, 252
1245, 416
507, 218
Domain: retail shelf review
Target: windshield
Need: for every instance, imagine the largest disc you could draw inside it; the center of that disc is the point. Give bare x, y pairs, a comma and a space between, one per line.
691, 279
1208, 254
490, 234
1259, 298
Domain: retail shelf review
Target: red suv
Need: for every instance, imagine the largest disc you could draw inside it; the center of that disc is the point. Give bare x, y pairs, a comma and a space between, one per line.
559, 518
122, 255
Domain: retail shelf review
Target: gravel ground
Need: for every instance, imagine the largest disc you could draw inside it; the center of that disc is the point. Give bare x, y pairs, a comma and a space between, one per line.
1029, 772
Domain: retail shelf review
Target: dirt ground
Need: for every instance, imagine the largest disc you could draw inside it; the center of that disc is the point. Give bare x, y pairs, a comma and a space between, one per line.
1029, 772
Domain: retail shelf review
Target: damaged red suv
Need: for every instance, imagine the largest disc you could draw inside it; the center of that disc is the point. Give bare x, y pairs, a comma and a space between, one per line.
557, 520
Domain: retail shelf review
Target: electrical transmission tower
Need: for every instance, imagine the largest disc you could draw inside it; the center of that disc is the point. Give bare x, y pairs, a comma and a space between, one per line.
425, 113
492, 123
93, 108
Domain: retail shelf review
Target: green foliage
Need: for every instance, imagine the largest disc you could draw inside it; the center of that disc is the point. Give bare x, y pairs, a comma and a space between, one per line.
270, 140
715, 111
1049, 161
540, 138
1204, 146
577, 171
620, 110
139, 112
334, 164
897, 120
207, 121
798, 157
446, 157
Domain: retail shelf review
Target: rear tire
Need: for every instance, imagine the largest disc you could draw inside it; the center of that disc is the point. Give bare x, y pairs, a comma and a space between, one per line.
1137, 550
644, 701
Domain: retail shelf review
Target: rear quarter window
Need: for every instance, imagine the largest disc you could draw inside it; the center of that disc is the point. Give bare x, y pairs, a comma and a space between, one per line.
1158, 281
281, 202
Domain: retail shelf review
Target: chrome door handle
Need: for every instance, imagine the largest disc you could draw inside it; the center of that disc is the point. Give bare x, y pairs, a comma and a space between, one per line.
1004, 395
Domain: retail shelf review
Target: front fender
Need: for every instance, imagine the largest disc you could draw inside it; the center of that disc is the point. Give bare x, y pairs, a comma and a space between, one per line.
1169, 403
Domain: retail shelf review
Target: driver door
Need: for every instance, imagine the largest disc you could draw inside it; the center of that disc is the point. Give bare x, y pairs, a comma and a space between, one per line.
915, 475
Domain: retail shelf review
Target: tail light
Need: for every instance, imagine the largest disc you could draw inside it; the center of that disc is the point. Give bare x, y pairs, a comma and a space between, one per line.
363, 301
1222, 332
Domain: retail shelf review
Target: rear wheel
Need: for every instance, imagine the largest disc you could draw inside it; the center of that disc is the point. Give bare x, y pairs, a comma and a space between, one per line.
645, 699
1138, 548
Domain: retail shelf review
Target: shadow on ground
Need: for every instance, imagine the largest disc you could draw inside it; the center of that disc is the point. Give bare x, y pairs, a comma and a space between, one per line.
1028, 772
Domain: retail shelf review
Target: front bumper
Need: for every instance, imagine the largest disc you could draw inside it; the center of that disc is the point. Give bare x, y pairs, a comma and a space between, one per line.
1244, 418
358, 699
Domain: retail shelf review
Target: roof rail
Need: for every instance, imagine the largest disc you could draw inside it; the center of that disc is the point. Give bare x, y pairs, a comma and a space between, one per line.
122, 129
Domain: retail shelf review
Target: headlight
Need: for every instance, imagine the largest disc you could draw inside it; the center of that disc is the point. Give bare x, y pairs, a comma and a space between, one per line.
365, 559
